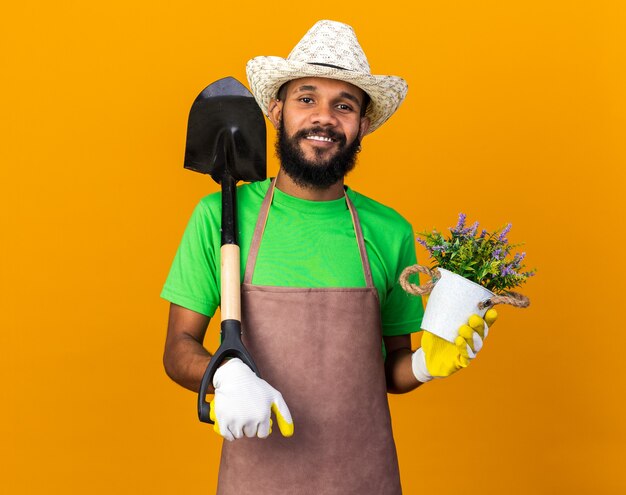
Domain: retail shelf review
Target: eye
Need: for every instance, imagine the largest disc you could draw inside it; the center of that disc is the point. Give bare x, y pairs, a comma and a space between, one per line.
306, 99
344, 107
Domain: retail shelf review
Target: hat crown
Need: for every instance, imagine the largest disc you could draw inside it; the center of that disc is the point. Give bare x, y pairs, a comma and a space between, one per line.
331, 43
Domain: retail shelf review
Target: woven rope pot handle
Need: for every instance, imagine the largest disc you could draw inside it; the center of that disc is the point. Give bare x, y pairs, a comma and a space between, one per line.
510, 298
419, 290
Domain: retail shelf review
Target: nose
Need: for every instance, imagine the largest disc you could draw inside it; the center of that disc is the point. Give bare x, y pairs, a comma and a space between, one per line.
324, 115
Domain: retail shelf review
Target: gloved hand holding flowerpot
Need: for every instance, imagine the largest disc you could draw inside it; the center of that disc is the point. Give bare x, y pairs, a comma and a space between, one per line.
438, 358
243, 404
472, 273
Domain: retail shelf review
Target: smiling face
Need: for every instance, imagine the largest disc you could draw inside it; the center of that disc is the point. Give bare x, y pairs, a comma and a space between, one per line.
320, 127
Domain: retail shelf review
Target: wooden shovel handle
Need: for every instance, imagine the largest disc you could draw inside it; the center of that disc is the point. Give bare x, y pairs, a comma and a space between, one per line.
230, 290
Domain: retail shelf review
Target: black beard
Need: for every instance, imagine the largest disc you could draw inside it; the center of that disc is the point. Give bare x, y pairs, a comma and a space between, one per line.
316, 175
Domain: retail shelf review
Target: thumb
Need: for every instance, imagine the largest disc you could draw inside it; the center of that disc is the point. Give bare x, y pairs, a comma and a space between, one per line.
213, 416
283, 416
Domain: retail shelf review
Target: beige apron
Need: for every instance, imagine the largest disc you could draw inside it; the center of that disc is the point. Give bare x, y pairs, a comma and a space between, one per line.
321, 348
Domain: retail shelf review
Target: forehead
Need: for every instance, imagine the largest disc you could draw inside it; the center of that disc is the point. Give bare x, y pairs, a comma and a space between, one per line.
324, 85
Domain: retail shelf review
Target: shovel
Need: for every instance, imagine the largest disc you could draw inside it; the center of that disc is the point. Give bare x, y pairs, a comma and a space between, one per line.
226, 139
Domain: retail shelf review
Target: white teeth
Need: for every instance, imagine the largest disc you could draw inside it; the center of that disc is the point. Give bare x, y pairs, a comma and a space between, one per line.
320, 138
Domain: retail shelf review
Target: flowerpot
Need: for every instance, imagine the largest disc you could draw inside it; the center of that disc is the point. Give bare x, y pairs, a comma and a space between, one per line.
452, 301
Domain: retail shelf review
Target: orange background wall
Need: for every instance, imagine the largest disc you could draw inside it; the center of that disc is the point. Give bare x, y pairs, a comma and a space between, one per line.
516, 112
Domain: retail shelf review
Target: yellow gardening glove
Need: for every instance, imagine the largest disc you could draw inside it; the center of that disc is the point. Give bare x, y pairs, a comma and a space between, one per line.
438, 358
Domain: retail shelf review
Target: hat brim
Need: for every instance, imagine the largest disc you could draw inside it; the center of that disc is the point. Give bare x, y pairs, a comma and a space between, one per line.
267, 74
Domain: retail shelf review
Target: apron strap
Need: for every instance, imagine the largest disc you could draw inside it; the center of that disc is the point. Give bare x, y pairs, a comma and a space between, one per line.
258, 233
367, 271
260, 228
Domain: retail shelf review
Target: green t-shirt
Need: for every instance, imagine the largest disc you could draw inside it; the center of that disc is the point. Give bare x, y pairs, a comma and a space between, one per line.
305, 244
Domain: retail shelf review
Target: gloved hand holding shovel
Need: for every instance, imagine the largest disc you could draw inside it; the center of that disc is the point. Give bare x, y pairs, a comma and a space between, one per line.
243, 404
438, 358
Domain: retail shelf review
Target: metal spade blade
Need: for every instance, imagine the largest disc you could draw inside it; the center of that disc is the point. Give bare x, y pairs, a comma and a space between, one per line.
226, 133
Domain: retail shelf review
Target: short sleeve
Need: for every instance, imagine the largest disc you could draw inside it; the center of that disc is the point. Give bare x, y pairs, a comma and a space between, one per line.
402, 312
193, 278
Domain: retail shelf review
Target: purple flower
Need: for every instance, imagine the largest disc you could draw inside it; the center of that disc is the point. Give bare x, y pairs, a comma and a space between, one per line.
438, 248
518, 259
505, 231
483, 234
422, 242
472, 229
459, 226
497, 254
507, 270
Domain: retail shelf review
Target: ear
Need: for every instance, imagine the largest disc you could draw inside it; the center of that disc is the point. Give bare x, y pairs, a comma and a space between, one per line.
275, 112
365, 125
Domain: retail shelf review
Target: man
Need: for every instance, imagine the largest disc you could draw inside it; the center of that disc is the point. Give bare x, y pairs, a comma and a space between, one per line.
315, 304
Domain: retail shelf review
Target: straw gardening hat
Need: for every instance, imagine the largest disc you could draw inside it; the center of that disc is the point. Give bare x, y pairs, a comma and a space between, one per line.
329, 49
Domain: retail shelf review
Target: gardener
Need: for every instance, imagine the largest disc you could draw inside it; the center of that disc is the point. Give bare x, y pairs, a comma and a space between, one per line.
315, 304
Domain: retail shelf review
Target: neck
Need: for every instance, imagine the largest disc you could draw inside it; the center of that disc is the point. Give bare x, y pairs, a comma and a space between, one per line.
288, 186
